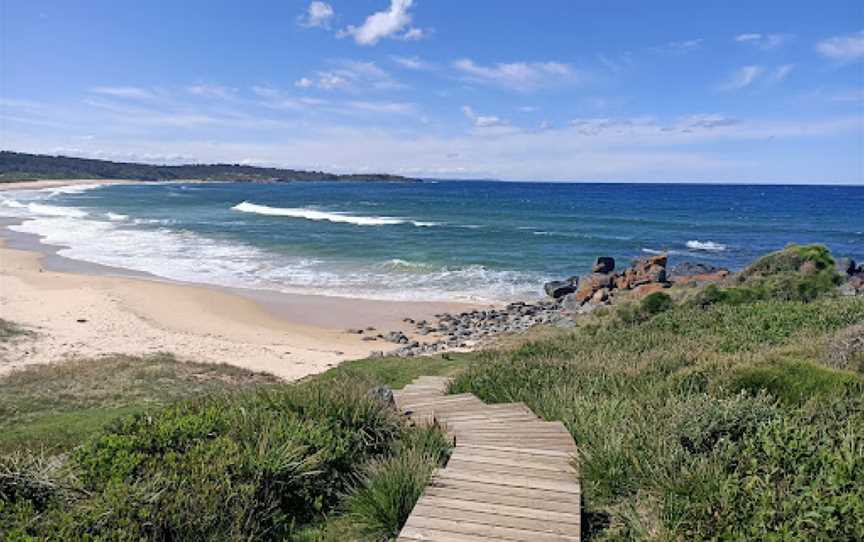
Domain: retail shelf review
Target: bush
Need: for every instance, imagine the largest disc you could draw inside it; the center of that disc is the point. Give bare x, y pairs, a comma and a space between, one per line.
257, 465
382, 502
707, 422
651, 305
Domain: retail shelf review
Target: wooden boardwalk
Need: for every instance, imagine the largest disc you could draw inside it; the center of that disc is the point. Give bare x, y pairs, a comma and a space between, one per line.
509, 478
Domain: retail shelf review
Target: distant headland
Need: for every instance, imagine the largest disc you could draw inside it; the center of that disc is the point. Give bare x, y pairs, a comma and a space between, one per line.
17, 166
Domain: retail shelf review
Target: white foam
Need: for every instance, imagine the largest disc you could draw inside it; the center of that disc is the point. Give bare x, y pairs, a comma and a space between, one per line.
116, 217
52, 210
71, 189
190, 257
312, 214
12, 204
709, 246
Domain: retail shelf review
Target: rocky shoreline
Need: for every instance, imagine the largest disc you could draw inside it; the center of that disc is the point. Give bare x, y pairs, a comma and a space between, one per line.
568, 299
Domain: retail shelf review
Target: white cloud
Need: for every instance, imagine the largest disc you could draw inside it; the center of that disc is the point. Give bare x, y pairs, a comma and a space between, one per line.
211, 91
679, 47
763, 41
133, 93
743, 77
521, 76
351, 75
843, 48
400, 108
782, 72
318, 14
411, 63
392, 23
482, 121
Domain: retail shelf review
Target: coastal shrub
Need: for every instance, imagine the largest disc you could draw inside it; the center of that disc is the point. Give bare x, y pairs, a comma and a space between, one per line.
668, 411
798, 477
10, 330
381, 503
256, 465
845, 350
795, 382
707, 422
789, 260
796, 273
650, 305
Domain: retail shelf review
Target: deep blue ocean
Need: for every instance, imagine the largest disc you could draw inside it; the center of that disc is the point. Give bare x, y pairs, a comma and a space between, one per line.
447, 240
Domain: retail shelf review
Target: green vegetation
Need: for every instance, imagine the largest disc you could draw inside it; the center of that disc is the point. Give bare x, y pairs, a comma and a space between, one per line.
796, 273
15, 166
10, 331
737, 419
55, 407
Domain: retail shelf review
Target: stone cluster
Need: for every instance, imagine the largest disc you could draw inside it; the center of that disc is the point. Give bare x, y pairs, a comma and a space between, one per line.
853, 275
582, 294
469, 329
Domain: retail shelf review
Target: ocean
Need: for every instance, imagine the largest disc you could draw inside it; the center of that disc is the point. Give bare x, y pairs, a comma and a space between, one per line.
436, 241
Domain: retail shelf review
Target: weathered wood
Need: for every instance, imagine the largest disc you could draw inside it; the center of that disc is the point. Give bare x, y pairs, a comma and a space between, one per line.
510, 478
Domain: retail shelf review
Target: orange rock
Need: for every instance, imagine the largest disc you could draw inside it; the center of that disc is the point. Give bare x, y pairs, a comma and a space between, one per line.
717, 276
641, 291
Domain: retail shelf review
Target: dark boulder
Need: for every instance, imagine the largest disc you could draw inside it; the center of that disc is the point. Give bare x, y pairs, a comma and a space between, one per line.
846, 266
557, 289
604, 264
383, 394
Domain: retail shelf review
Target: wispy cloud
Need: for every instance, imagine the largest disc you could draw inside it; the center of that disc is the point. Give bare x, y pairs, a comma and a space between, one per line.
781, 73
318, 14
743, 77
763, 41
520, 76
679, 47
412, 63
482, 121
395, 22
211, 91
843, 48
132, 93
352, 76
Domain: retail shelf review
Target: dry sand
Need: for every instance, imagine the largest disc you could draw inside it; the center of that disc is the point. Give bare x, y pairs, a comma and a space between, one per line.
89, 315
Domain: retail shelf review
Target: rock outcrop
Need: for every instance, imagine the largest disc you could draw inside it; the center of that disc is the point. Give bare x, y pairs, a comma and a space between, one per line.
646, 274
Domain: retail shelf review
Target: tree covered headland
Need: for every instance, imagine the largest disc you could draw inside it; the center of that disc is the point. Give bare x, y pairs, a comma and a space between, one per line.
16, 166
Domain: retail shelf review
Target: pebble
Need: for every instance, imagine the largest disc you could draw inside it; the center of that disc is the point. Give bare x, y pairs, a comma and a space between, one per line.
470, 328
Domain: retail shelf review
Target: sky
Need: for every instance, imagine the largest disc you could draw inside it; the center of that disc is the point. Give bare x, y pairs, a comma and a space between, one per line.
559, 90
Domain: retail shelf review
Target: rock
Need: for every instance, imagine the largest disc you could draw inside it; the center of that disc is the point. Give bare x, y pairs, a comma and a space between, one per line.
383, 394
368, 338
600, 296
559, 288
707, 278
687, 269
658, 259
846, 266
572, 303
81, 320
604, 264
646, 289
354, 331
376, 354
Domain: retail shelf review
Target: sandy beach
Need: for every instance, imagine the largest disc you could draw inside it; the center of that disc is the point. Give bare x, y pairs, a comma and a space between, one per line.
75, 313
57, 183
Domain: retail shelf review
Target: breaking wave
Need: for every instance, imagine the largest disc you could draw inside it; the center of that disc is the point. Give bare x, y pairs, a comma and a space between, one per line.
709, 246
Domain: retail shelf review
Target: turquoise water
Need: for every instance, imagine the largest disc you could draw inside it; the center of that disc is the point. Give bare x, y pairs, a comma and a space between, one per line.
430, 241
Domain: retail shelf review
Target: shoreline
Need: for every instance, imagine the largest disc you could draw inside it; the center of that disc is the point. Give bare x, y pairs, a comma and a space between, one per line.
129, 312
76, 315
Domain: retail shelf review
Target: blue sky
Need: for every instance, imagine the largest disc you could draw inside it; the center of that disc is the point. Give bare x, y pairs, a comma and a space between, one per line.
709, 91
